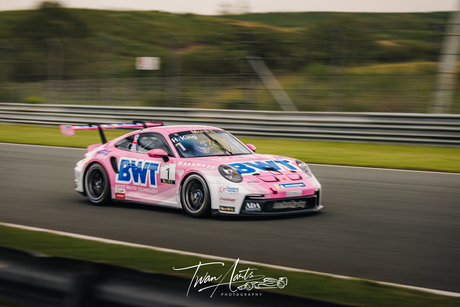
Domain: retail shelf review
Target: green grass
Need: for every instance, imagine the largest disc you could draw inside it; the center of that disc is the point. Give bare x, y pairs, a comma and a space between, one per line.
355, 292
443, 159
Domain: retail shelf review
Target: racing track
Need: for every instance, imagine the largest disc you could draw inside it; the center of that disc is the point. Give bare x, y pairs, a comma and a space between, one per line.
394, 226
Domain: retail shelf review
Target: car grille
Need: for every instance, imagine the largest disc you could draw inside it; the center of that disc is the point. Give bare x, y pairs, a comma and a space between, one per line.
259, 206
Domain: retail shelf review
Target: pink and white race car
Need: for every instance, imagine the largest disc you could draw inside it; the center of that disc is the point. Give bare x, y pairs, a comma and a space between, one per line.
200, 169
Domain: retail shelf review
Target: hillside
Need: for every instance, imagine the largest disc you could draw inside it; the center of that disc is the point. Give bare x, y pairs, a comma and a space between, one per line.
305, 20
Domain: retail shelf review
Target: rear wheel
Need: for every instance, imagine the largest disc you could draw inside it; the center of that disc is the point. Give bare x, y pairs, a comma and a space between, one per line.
195, 196
97, 185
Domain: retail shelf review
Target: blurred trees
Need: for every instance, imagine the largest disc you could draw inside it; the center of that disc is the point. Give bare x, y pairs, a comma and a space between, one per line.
51, 20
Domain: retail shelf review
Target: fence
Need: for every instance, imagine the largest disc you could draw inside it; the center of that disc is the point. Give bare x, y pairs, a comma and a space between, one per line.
328, 70
434, 129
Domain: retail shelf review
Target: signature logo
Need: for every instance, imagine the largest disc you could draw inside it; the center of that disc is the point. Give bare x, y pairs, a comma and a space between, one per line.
233, 280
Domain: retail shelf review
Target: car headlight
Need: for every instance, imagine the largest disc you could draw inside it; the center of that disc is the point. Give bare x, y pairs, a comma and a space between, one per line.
304, 167
230, 173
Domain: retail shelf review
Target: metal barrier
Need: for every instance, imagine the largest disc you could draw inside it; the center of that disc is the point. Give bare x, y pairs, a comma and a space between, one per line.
408, 128
38, 281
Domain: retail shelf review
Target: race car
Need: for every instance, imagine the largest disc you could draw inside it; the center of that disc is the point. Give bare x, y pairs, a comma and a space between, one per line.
200, 169
266, 283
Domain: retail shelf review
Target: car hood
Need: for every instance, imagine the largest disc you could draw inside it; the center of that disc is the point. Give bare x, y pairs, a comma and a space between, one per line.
261, 165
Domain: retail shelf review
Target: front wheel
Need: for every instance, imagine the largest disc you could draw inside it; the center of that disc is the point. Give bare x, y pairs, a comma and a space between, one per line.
97, 185
195, 196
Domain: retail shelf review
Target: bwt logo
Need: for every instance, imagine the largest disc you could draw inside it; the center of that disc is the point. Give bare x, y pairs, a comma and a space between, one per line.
257, 166
137, 172
228, 189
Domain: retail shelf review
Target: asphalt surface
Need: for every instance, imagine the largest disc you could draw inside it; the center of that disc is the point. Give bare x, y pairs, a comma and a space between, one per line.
386, 225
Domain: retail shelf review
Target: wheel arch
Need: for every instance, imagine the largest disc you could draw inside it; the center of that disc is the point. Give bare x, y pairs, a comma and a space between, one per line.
193, 172
85, 171
208, 186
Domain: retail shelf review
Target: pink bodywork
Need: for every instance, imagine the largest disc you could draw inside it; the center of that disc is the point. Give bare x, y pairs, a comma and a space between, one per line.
162, 181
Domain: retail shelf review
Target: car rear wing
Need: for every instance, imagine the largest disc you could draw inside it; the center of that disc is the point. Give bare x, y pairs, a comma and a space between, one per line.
70, 130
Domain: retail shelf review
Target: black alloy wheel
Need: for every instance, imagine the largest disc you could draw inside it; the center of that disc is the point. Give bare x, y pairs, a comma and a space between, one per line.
97, 185
195, 197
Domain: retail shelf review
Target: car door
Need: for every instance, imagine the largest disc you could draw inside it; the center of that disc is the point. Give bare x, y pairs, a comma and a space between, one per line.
148, 179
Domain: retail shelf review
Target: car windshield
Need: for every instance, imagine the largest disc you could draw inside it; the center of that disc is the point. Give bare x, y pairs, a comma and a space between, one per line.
204, 143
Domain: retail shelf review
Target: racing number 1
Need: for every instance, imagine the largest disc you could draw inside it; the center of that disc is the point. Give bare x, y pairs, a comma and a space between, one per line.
167, 170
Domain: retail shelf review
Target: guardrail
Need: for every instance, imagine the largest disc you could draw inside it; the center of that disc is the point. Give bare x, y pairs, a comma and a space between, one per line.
409, 128
39, 281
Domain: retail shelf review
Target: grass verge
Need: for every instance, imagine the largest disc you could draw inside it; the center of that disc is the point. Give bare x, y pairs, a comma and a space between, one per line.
444, 159
355, 292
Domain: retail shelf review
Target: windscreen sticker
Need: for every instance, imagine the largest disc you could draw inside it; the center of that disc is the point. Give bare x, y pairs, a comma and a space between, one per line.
181, 138
203, 131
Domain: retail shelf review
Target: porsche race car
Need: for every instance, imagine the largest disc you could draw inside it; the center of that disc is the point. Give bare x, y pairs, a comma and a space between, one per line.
200, 169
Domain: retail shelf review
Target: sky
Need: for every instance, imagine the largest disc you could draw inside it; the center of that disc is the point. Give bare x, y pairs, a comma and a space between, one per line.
213, 7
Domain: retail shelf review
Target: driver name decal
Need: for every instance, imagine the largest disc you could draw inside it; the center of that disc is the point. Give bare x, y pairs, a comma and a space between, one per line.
138, 172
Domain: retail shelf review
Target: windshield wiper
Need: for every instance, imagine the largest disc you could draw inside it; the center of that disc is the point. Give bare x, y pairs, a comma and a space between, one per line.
222, 147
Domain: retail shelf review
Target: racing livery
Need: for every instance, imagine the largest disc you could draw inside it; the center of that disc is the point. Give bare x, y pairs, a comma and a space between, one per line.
200, 169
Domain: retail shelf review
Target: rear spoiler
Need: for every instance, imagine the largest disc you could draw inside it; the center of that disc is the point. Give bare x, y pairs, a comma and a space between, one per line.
70, 130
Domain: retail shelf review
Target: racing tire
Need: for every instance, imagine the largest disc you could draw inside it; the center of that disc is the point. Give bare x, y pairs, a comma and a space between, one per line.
195, 196
97, 185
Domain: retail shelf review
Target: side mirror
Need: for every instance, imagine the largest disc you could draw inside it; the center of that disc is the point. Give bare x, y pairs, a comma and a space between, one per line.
251, 147
158, 153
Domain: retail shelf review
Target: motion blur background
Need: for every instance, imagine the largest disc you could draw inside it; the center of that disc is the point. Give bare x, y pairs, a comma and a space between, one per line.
321, 61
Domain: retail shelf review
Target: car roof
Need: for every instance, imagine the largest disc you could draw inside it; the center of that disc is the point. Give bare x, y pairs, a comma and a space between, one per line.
179, 128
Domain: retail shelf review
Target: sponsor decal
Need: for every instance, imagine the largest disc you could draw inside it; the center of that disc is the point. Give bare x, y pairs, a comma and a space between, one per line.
290, 204
119, 196
227, 209
200, 165
227, 200
246, 168
228, 189
120, 192
294, 193
147, 190
252, 207
137, 172
104, 152
235, 282
290, 185
121, 189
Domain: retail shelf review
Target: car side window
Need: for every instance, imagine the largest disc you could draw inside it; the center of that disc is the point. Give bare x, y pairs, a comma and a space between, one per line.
126, 143
149, 141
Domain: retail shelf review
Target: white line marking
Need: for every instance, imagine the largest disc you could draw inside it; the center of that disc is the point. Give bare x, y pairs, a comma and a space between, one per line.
167, 250
316, 164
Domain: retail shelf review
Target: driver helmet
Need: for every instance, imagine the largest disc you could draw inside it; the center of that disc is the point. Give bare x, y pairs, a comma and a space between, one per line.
202, 146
